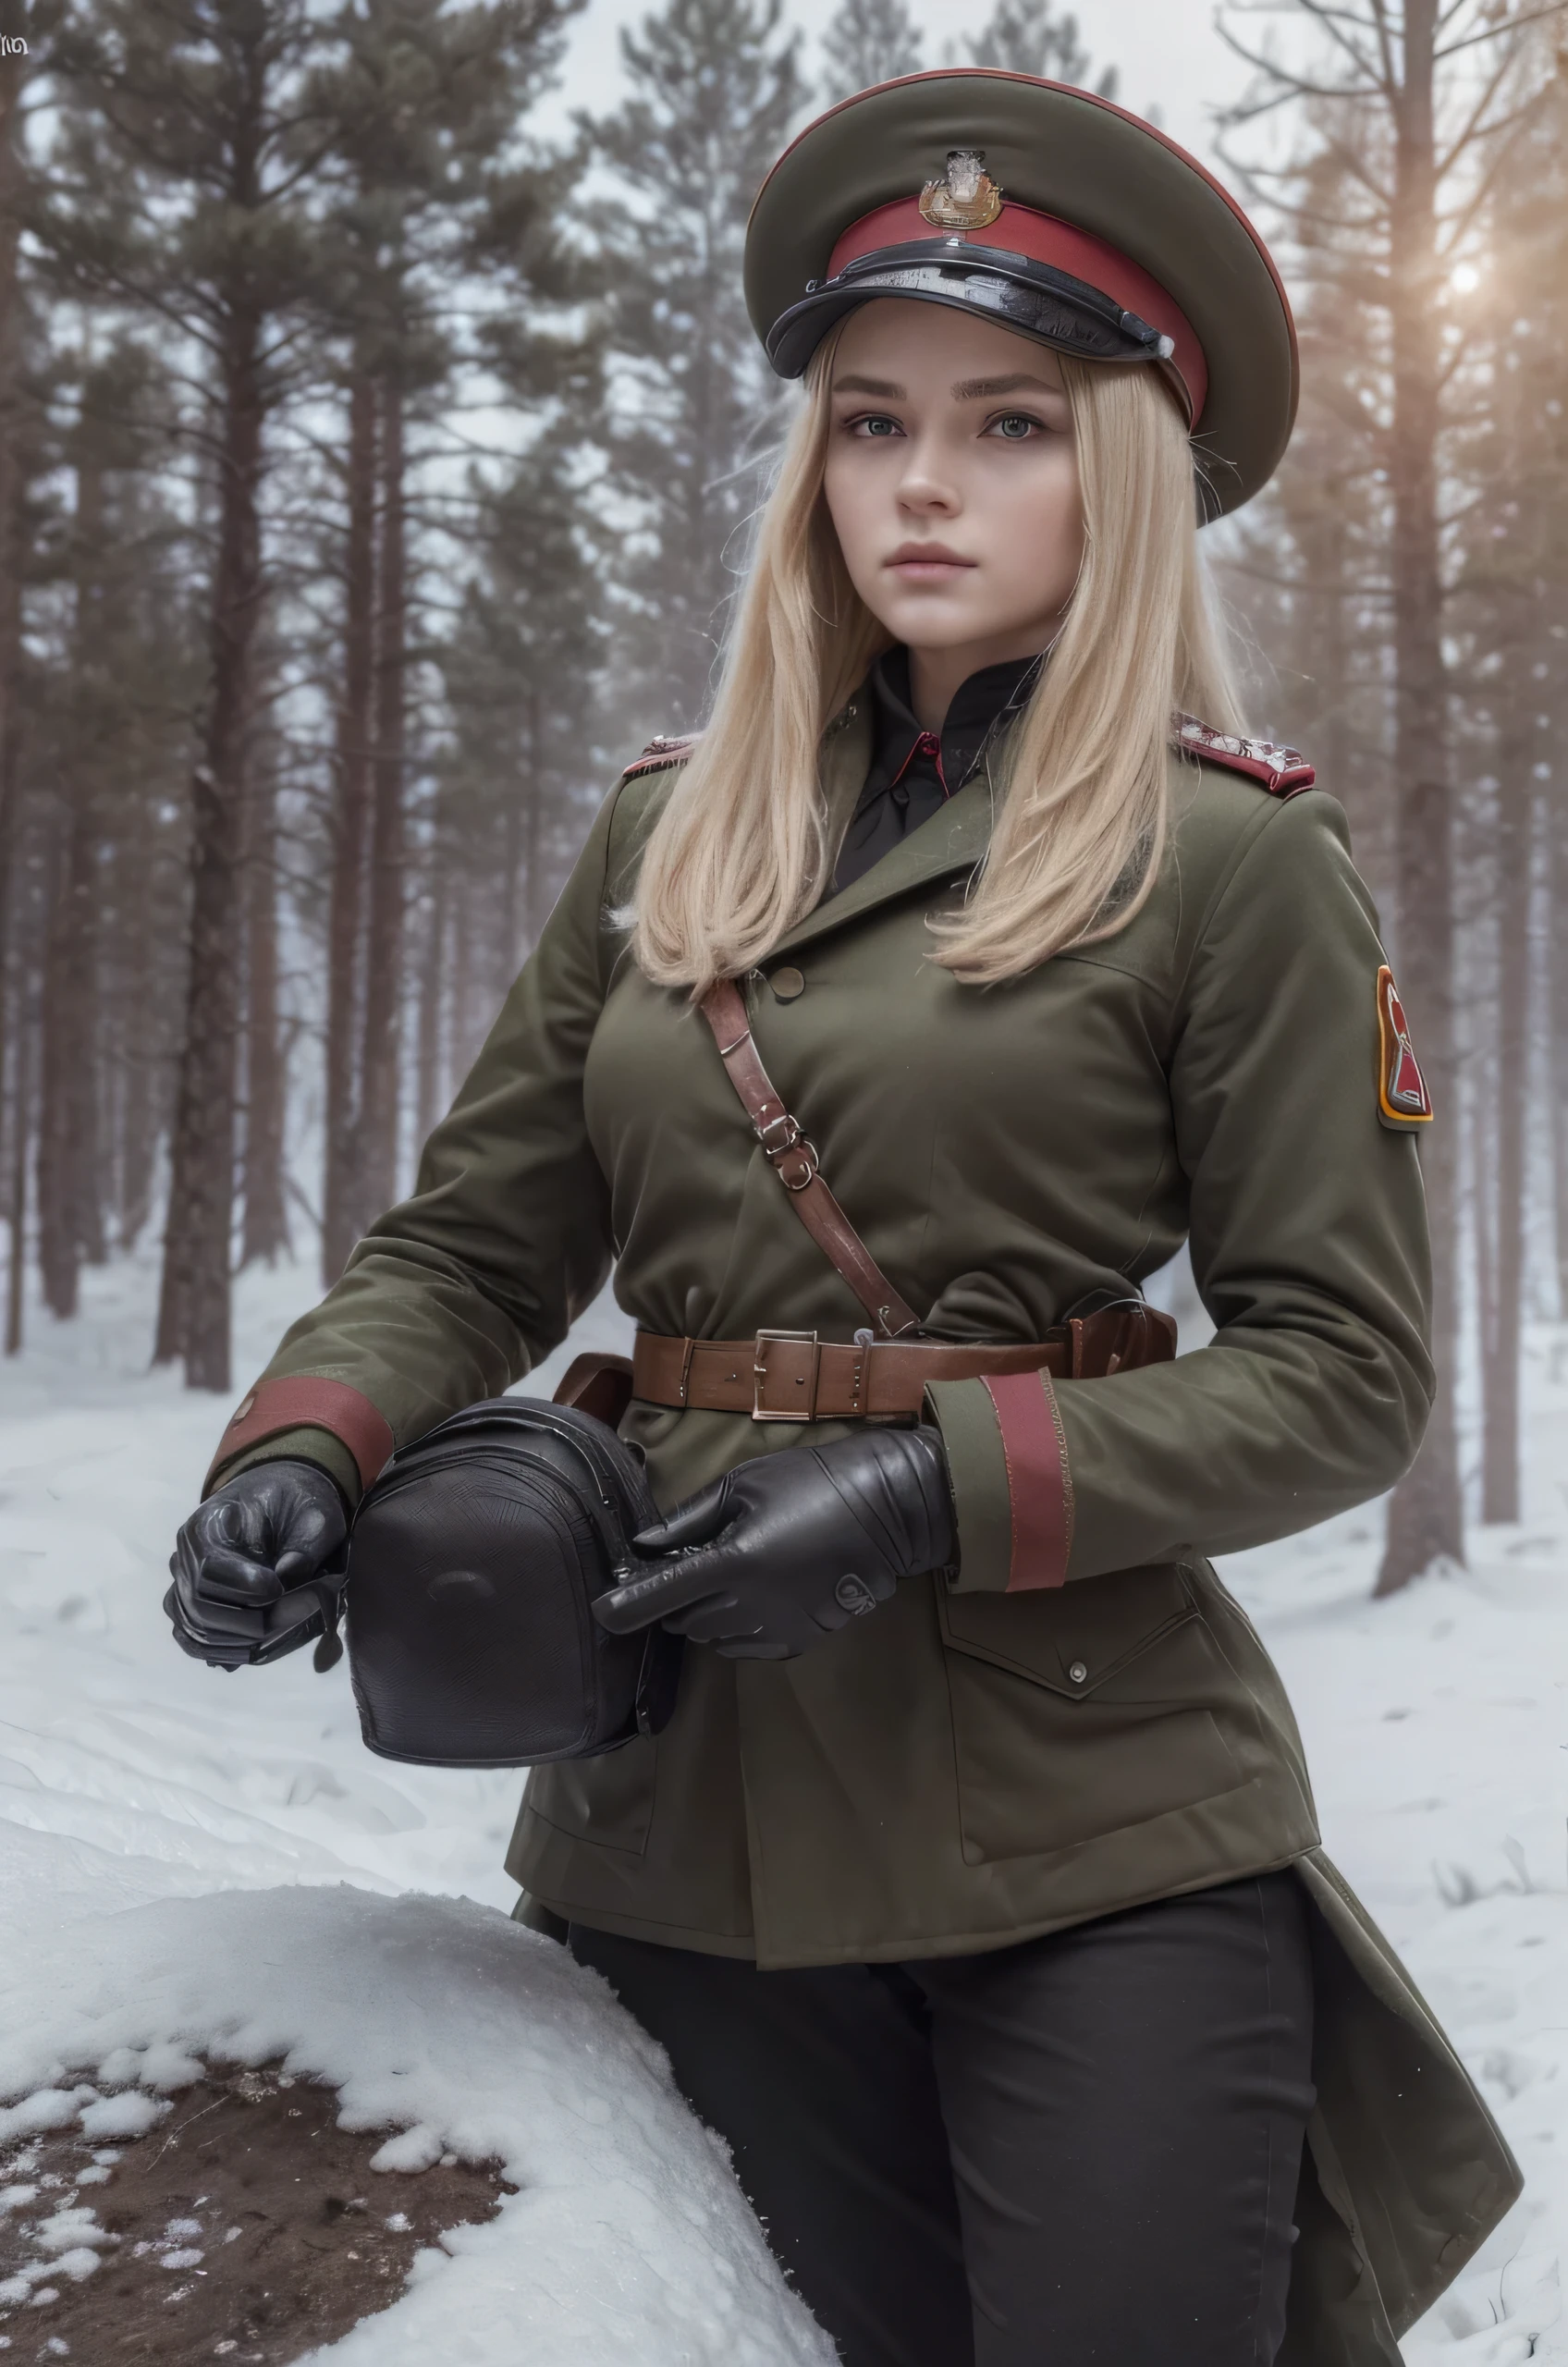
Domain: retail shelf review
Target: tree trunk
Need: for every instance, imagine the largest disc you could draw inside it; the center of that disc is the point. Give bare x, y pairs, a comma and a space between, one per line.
70, 1216
266, 1221
461, 1030
427, 1057
69, 1221
351, 794
138, 1064
378, 1162
1503, 1332
17, 1032
517, 857
1425, 1517
533, 853
194, 1312
11, 70
1482, 1131
21, 1112
1557, 990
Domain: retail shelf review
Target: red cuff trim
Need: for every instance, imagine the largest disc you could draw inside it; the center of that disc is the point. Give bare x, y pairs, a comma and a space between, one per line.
1039, 1485
307, 1404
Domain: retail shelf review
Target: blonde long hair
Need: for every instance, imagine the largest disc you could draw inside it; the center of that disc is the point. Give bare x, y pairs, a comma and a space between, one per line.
741, 850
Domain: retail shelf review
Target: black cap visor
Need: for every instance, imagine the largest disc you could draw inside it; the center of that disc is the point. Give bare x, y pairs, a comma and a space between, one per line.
1013, 290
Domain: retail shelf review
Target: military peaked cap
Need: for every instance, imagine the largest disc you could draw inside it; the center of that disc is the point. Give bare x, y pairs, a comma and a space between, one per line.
1051, 211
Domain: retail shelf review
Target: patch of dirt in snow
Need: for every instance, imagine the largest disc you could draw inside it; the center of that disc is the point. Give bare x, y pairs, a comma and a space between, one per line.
245, 2223
620, 2234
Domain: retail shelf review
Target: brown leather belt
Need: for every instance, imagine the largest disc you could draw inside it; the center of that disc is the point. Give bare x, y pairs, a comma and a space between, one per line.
795, 1376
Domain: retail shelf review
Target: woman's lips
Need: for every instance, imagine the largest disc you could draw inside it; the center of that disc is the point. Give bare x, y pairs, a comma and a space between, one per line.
929, 563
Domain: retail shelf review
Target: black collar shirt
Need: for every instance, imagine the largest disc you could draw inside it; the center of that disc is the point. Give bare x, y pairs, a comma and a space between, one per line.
915, 772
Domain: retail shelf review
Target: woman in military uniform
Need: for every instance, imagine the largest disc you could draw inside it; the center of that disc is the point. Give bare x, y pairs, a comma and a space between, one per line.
975, 1886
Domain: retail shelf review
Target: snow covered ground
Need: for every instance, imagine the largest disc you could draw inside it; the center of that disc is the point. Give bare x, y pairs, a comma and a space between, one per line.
133, 1782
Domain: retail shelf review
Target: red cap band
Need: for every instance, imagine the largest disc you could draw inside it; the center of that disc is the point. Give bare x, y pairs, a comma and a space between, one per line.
1020, 230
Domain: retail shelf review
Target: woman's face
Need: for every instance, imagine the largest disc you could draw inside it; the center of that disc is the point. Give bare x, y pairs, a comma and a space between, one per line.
953, 480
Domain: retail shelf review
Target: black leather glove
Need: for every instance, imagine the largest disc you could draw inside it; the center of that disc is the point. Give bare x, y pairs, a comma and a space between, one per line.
243, 1562
783, 1550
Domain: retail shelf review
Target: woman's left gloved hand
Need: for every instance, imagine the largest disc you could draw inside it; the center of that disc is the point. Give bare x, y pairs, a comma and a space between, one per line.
785, 1550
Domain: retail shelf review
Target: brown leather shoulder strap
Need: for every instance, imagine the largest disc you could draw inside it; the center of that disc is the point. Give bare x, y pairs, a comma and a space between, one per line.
793, 1160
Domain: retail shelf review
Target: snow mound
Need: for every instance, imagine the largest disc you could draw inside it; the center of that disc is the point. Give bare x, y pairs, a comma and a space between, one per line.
628, 2238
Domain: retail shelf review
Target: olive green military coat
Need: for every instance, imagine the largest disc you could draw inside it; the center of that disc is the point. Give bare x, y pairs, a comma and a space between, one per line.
995, 1756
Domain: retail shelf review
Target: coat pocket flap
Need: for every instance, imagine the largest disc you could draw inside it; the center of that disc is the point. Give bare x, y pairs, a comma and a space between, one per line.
1075, 1638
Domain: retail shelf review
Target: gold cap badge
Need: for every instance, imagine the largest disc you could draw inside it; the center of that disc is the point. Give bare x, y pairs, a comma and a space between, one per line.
965, 198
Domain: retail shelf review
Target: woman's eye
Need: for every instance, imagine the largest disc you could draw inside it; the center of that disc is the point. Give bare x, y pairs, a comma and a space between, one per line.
1015, 426
874, 423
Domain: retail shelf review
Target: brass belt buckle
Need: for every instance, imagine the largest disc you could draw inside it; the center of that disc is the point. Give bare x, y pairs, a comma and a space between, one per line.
805, 1381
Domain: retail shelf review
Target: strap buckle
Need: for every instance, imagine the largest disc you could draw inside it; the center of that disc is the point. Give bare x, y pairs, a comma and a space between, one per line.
788, 1152
778, 1134
790, 1373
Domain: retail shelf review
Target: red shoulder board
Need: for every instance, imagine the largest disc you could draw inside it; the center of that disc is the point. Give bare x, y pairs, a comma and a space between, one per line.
1282, 770
662, 751
1403, 1098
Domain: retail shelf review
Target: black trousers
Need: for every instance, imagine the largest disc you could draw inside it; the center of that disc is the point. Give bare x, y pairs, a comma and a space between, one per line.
1084, 2148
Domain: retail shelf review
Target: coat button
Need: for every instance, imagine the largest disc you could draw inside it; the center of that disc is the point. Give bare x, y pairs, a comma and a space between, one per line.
787, 983
1079, 1673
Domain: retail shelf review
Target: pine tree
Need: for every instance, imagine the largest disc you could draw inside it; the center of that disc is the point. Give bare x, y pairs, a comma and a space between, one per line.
104, 713
178, 191
868, 42
262, 1168
70, 1211
522, 771
34, 25
718, 84
424, 101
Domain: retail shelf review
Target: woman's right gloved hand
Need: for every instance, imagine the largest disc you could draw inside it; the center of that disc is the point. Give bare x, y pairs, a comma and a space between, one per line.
243, 1562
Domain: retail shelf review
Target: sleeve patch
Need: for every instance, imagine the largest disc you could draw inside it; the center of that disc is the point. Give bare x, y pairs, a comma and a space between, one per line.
1038, 1484
1403, 1098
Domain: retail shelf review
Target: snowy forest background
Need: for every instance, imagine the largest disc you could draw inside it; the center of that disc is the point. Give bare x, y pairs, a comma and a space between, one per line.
376, 468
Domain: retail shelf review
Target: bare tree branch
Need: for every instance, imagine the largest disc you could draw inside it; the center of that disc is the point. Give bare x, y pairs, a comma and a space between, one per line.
1352, 164
1475, 127
1258, 175
1288, 85
1332, 21
1495, 33
1386, 43
1293, 8
1466, 215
